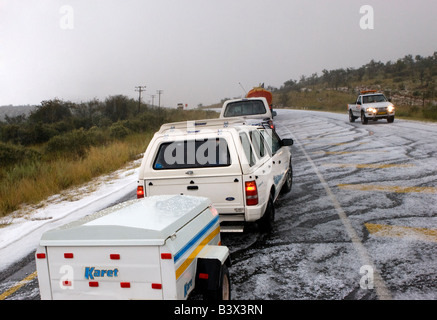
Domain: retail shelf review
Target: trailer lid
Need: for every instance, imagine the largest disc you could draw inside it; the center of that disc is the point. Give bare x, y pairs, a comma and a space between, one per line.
147, 221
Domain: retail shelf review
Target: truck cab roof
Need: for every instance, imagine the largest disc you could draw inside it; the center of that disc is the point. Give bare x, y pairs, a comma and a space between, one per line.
257, 108
147, 221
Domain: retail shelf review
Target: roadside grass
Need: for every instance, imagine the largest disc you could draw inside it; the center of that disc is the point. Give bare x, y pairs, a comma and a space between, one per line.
31, 181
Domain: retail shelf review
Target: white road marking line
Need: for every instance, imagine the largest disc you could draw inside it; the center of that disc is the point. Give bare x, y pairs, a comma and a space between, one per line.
382, 291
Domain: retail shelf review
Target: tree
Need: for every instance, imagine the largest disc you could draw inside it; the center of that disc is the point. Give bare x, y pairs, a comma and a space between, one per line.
51, 111
119, 107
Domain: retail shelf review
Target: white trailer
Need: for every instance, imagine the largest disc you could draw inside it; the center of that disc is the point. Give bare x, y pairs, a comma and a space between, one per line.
160, 247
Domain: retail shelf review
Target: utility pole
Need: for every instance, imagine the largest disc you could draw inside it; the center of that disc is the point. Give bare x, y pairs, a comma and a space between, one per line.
153, 97
159, 92
140, 89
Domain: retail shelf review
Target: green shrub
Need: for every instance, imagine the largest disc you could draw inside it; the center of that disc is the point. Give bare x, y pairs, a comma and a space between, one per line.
11, 154
118, 130
430, 112
72, 144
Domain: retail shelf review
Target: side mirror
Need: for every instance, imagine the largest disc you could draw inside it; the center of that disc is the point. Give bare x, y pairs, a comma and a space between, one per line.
274, 113
287, 142
358, 102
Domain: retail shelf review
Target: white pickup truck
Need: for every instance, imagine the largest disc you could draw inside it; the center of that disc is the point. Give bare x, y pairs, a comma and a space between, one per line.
248, 108
371, 105
241, 167
160, 247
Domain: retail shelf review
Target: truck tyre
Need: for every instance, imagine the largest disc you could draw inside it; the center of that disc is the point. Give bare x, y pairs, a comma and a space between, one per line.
390, 119
351, 116
364, 119
223, 290
288, 180
266, 222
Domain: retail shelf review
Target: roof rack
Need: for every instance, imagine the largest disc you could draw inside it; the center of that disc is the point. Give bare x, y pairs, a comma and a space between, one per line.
191, 125
209, 123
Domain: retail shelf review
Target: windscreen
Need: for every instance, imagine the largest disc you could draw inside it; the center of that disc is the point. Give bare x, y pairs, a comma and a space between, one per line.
205, 153
244, 108
374, 98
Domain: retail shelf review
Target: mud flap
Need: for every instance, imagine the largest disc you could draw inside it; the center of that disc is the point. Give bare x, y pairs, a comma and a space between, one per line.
208, 274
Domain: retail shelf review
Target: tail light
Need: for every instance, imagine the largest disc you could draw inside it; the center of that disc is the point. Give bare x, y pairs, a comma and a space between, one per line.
140, 192
251, 193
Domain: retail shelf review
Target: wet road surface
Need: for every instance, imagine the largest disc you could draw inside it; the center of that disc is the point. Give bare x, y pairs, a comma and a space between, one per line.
359, 223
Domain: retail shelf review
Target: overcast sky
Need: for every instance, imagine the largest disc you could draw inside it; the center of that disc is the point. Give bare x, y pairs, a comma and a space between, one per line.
196, 51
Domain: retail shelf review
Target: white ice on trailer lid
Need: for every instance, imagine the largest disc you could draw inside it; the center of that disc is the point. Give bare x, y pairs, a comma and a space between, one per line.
147, 221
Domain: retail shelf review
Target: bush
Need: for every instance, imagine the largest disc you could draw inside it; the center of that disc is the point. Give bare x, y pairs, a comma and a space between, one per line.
430, 112
72, 144
12, 154
97, 136
118, 130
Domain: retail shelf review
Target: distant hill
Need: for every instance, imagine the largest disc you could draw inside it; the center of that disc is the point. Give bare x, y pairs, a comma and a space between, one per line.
13, 111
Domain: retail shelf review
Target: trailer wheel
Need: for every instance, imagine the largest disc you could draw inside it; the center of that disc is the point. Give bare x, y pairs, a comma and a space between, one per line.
223, 290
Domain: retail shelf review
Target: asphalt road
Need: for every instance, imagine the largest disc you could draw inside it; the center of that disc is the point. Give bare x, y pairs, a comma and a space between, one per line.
359, 223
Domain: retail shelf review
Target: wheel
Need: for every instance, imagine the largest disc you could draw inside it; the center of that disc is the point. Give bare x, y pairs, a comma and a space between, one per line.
288, 180
223, 291
266, 222
364, 119
351, 116
390, 119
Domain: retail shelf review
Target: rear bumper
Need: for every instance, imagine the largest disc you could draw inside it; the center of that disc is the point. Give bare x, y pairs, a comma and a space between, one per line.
250, 214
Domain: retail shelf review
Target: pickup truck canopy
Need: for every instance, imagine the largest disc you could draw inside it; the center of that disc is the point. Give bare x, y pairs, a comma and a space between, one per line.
148, 221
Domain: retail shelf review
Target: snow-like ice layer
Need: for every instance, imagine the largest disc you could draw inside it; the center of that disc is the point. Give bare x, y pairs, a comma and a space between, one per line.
309, 258
23, 231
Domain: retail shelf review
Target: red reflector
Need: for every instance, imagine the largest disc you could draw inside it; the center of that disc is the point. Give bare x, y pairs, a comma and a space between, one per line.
165, 255
213, 211
140, 192
203, 276
114, 256
93, 284
125, 284
66, 283
68, 255
40, 255
156, 286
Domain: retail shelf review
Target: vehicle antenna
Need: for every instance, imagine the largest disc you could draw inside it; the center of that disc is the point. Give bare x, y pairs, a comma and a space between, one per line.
242, 88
